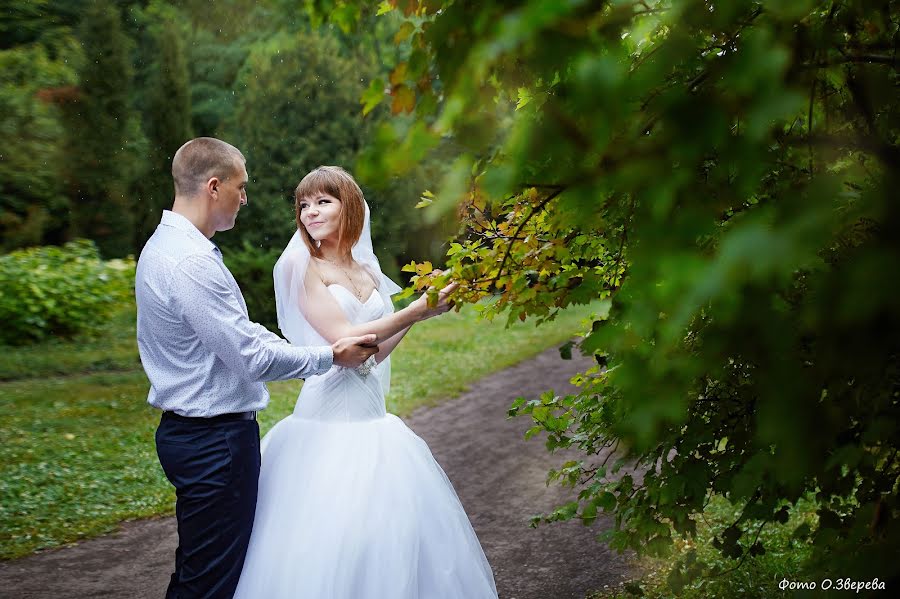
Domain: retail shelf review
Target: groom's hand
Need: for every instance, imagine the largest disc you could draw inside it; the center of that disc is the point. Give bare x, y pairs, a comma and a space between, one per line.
350, 352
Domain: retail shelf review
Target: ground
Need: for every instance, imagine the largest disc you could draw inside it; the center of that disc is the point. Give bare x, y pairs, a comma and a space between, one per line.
500, 479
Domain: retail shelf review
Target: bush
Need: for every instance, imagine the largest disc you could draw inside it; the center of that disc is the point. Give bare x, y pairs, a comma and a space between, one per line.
252, 269
59, 291
725, 182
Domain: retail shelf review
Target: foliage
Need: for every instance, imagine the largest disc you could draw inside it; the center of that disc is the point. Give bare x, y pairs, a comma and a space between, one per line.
758, 576
77, 454
296, 110
230, 20
26, 22
252, 269
31, 71
103, 138
214, 66
61, 292
722, 175
166, 105
112, 348
92, 120
399, 231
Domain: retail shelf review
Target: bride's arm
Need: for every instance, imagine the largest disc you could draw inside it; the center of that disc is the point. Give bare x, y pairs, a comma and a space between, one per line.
387, 346
326, 317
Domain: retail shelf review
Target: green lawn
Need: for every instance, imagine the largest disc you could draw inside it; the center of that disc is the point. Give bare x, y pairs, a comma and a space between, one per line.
113, 349
77, 454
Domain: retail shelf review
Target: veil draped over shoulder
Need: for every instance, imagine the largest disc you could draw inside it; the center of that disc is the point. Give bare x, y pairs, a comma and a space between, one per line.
291, 297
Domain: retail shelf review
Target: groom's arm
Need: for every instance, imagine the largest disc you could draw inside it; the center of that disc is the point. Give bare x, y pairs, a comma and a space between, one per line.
206, 301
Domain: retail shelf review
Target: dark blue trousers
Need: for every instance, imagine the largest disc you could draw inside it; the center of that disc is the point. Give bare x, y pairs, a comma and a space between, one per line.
214, 468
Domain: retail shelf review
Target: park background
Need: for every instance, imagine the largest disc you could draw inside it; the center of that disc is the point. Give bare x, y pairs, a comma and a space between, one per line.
702, 193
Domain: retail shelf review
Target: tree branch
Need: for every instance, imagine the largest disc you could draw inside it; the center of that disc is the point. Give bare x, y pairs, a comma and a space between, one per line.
857, 58
521, 226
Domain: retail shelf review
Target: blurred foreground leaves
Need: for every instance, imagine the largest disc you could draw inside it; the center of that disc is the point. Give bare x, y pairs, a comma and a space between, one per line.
723, 175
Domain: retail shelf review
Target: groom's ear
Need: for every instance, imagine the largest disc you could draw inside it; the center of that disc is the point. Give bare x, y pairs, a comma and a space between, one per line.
212, 185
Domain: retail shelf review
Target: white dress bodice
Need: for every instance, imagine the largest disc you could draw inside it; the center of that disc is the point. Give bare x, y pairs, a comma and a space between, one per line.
342, 394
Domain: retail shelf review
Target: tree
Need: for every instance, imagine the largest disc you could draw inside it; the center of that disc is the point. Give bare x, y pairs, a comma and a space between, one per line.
46, 22
214, 66
167, 116
31, 206
297, 108
720, 177
36, 65
103, 138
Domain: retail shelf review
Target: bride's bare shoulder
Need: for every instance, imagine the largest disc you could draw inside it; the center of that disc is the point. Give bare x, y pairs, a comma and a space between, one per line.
316, 273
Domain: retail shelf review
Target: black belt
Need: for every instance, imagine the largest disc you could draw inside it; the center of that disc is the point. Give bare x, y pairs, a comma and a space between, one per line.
211, 419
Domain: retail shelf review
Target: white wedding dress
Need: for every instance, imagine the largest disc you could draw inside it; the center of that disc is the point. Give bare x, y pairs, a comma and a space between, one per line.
352, 505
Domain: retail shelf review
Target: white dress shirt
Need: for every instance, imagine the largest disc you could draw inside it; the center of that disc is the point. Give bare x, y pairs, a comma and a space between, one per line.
201, 352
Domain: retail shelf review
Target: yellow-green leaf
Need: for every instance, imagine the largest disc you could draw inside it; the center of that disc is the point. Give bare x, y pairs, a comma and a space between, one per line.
384, 8
373, 96
524, 97
404, 99
398, 75
404, 32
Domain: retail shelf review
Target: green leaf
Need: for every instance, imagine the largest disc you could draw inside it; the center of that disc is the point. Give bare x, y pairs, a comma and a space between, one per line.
384, 7
524, 95
373, 95
346, 15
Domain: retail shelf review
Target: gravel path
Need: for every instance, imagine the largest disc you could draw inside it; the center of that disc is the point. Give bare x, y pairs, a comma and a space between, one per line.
498, 477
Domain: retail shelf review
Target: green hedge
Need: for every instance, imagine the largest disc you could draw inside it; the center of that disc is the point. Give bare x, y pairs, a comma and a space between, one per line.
252, 269
59, 291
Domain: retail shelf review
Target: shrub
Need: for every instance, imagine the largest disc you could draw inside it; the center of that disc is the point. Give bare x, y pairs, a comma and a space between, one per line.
59, 291
252, 269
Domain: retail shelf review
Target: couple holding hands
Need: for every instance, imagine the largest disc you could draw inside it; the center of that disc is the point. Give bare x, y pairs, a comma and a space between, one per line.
340, 500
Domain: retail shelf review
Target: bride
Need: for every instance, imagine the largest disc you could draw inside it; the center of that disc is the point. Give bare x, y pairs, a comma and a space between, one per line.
352, 505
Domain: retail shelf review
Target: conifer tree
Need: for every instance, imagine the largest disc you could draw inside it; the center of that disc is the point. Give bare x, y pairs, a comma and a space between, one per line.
297, 108
102, 134
167, 124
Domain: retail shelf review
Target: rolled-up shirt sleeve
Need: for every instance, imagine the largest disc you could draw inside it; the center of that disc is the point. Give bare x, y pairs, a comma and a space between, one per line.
208, 305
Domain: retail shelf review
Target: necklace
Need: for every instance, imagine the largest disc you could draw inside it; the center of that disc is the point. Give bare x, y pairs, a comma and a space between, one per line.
356, 290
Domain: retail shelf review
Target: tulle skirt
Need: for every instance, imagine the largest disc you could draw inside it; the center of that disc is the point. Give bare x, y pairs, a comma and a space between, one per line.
358, 510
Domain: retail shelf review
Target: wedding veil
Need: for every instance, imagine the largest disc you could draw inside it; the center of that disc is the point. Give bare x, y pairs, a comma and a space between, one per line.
291, 297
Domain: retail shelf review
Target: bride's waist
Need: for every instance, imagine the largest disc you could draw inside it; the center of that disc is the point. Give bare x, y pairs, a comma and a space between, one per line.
340, 395
340, 374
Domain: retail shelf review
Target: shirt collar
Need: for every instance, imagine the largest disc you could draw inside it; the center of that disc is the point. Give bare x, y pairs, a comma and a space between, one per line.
177, 221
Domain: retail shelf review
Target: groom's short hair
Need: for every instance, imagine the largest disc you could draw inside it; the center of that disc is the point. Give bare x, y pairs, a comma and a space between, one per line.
201, 159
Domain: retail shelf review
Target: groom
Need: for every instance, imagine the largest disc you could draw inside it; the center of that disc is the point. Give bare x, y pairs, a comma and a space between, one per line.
207, 363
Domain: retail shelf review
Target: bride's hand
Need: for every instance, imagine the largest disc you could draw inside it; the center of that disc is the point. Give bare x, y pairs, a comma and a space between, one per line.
443, 304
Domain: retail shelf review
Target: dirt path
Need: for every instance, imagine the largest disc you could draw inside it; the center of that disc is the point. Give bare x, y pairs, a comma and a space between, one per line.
498, 476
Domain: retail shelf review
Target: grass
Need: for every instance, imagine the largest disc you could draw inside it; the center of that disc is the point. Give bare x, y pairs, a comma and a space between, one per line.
114, 348
77, 458
77, 453
756, 577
